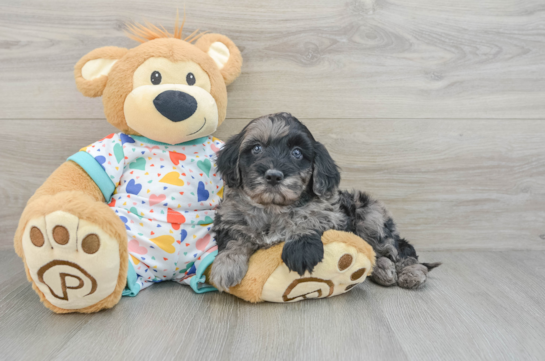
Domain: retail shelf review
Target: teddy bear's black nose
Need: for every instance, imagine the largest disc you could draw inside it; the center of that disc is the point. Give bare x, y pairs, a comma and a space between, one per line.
175, 105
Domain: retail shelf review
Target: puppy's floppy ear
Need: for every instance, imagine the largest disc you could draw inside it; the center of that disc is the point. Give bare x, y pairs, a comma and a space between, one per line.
91, 71
326, 175
224, 53
228, 161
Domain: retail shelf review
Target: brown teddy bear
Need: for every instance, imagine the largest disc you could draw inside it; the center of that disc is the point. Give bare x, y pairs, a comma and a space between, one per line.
136, 207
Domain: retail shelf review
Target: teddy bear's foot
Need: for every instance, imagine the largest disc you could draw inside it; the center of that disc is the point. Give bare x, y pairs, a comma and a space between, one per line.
73, 264
347, 261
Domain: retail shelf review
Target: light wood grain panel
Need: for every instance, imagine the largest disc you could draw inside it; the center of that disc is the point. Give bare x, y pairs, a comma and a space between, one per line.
477, 306
451, 184
326, 59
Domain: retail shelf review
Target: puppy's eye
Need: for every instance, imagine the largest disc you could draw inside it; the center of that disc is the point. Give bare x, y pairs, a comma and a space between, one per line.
156, 78
256, 149
190, 79
297, 154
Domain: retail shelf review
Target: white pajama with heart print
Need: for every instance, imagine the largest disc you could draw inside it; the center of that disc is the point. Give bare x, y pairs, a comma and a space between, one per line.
166, 196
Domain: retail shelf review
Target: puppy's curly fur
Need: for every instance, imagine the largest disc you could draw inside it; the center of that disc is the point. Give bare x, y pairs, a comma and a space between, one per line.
282, 185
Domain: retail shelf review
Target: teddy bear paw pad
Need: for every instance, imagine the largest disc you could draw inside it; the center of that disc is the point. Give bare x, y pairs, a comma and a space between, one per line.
71, 261
342, 268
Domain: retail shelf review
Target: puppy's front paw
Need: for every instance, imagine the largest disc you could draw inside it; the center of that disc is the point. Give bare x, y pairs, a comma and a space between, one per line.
227, 272
303, 254
385, 272
413, 276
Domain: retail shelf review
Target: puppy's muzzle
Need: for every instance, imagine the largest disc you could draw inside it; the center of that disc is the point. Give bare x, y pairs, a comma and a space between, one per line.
175, 105
273, 176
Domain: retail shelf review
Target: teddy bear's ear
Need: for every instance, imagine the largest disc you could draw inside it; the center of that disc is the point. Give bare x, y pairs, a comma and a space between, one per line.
225, 54
91, 71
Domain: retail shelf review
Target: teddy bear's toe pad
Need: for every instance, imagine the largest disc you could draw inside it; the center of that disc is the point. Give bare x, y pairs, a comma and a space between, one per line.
71, 261
342, 268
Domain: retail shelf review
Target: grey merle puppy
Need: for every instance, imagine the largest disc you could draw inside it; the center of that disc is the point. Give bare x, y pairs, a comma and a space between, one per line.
282, 185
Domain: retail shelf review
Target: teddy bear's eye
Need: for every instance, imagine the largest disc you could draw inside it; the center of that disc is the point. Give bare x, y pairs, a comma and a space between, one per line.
156, 78
190, 78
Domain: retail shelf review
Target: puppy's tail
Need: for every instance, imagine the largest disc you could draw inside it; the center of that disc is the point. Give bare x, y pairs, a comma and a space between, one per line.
407, 250
431, 266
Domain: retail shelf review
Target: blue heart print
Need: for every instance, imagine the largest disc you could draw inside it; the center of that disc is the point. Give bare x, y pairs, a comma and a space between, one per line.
184, 234
126, 139
125, 220
192, 270
133, 187
202, 193
101, 159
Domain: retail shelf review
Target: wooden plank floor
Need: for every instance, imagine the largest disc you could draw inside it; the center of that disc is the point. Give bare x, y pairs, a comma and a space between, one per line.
477, 306
435, 107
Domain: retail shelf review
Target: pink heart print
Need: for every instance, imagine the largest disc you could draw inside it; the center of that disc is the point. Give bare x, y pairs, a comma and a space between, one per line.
214, 148
203, 242
134, 247
153, 199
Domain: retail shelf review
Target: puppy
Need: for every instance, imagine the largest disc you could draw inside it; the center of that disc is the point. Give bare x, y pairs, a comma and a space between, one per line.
282, 185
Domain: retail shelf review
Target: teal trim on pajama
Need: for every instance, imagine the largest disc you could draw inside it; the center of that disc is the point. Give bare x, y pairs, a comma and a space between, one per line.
151, 141
200, 278
132, 288
96, 172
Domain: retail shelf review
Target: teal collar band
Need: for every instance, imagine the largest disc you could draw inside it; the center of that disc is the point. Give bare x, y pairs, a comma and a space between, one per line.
151, 141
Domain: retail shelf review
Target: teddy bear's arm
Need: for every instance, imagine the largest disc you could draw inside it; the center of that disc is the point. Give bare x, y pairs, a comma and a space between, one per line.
69, 177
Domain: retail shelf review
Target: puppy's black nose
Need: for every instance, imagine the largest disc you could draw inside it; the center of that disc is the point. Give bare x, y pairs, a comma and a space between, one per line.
274, 176
175, 105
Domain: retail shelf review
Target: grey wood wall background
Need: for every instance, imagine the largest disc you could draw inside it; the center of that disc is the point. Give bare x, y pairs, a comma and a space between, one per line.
435, 107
